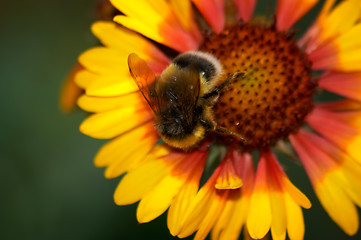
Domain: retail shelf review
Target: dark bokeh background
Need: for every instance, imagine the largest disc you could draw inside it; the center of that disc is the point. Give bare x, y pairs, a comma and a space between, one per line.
49, 186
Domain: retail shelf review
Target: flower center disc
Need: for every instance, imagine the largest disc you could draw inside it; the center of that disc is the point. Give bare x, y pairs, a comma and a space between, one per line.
273, 98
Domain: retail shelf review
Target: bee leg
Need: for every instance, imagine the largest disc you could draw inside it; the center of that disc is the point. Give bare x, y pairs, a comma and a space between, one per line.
210, 125
229, 132
207, 124
224, 84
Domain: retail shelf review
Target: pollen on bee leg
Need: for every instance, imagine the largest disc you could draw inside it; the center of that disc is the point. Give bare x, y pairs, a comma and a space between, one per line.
240, 74
225, 131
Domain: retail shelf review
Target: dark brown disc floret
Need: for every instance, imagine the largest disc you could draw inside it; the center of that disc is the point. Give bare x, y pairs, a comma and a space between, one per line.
273, 97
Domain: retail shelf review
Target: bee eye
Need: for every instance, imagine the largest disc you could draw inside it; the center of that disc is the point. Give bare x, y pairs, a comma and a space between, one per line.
202, 73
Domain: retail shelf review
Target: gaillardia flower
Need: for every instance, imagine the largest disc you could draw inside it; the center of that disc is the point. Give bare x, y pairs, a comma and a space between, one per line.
216, 188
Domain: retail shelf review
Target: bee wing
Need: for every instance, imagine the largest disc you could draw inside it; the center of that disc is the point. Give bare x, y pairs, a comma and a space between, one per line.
192, 83
144, 77
196, 92
183, 89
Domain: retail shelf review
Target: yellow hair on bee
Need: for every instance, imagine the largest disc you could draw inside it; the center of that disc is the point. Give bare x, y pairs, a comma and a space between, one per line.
189, 141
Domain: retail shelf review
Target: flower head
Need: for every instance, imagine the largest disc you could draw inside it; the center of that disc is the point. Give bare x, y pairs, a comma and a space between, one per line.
213, 187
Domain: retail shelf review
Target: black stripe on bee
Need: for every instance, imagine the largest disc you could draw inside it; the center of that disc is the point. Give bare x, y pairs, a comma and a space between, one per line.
205, 66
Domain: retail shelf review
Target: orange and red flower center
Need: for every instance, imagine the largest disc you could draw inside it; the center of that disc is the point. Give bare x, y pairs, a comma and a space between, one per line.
273, 98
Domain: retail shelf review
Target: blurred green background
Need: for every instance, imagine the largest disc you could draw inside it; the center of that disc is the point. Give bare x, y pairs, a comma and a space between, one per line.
49, 186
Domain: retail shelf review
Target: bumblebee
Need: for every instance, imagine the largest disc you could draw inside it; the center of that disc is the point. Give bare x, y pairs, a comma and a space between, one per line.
183, 96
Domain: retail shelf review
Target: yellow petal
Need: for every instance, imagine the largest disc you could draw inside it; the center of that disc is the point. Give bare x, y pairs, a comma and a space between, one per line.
112, 85
349, 60
149, 11
182, 202
137, 183
105, 85
279, 221
228, 178
158, 200
353, 147
230, 182
259, 217
295, 223
226, 216
348, 175
208, 221
183, 10
84, 78
342, 52
118, 147
109, 34
159, 25
105, 61
352, 172
338, 205
127, 156
296, 194
325, 10
328, 25
101, 104
348, 11
236, 216
349, 40
115, 122
196, 215
198, 209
